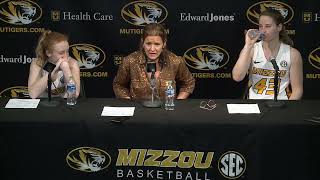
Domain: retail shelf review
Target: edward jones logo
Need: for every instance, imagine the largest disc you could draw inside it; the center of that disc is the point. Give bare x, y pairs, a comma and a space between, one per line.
206, 57
87, 55
15, 92
140, 13
254, 11
232, 165
19, 12
314, 58
88, 159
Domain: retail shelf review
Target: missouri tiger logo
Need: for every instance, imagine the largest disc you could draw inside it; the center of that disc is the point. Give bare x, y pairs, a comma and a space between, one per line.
140, 13
206, 57
314, 58
87, 55
19, 12
255, 10
15, 92
88, 159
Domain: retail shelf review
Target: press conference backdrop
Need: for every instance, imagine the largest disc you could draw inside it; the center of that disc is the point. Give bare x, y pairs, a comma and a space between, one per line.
209, 35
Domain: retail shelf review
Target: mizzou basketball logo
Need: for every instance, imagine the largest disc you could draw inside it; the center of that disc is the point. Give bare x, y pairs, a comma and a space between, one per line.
140, 13
314, 58
88, 159
255, 10
206, 57
19, 12
15, 92
87, 55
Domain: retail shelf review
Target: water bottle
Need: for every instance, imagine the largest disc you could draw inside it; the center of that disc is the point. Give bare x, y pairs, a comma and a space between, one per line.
253, 33
71, 92
170, 96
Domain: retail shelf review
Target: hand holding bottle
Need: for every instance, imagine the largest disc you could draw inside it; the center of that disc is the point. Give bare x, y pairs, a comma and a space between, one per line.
255, 34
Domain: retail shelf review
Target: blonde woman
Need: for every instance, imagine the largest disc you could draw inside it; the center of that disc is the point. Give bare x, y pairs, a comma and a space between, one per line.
53, 47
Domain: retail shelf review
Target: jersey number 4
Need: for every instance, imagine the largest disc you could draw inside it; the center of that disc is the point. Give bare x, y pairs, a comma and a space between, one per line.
265, 85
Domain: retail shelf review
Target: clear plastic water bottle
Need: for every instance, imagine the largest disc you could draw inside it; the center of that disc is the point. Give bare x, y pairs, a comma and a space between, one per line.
253, 33
170, 96
71, 92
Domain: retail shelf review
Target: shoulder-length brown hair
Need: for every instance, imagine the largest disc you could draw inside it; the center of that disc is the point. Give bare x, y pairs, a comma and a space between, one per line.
155, 29
278, 19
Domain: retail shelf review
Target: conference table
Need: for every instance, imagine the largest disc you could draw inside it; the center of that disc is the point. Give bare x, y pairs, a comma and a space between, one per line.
189, 143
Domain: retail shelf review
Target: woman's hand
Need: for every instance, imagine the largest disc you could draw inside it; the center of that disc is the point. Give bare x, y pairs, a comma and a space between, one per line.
63, 65
249, 39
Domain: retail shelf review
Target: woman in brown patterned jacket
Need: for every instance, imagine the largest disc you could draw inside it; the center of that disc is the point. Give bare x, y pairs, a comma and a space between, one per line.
133, 81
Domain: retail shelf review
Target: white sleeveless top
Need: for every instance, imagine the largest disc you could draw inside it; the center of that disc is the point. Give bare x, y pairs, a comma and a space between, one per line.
58, 88
261, 76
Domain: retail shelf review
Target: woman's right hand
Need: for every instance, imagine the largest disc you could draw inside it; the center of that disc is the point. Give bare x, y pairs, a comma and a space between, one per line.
55, 71
251, 40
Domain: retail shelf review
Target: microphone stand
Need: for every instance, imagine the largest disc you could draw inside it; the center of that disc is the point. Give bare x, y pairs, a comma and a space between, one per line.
152, 103
50, 103
275, 87
153, 85
275, 103
49, 86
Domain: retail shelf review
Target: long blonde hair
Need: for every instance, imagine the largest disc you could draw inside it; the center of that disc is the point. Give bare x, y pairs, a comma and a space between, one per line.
45, 43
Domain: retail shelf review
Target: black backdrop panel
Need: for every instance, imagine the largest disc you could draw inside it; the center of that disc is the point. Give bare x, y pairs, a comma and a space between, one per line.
110, 30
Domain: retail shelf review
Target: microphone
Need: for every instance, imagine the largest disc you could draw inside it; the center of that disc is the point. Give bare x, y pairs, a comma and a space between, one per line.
274, 64
275, 103
151, 67
276, 77
49, 67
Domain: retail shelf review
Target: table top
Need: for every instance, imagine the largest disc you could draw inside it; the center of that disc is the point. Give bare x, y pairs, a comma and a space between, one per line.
187, 112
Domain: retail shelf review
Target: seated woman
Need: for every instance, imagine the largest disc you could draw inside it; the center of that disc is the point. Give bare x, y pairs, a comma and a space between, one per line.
53, 47
256, 58
133, 81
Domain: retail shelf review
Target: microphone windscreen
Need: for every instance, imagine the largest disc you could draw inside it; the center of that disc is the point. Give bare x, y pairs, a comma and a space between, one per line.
49, 67
151, 66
